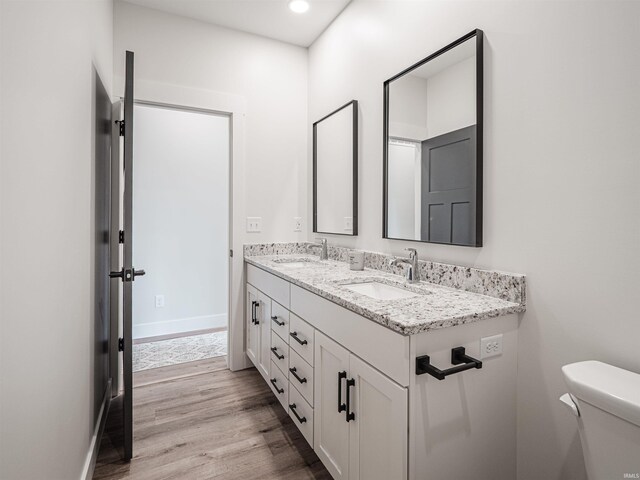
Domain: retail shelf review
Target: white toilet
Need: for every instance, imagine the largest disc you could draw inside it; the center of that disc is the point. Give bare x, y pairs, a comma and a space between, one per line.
606, 401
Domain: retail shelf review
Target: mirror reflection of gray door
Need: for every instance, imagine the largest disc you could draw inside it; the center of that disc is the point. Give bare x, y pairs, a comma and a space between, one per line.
448, 187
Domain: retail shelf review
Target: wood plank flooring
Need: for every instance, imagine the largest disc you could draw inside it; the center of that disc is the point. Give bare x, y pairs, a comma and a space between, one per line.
199, 420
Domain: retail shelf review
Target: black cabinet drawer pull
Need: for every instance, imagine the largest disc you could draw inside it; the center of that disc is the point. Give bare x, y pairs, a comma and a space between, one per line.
293, 409
341, 406
295, 337
458, 357
275, 319
293, 371
349, 415
275, 352
279, 390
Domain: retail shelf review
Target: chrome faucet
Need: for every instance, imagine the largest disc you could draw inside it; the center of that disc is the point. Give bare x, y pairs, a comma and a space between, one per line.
413, 268
322, 245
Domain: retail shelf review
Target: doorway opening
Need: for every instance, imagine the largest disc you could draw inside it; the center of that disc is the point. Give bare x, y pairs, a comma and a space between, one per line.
181, 211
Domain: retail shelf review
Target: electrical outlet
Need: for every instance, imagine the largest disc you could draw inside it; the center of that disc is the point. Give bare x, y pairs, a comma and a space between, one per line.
159, 301
491, 346
348, 224
254, 224
297, 224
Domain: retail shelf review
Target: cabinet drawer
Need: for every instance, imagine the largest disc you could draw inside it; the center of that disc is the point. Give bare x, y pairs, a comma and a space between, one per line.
301, 376
273, 286
280, 385
301, 338
386, 350
280, 354
302, 414
280, 321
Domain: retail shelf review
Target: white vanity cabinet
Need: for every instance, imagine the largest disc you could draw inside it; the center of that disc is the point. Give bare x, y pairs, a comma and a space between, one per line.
264, 324
258, 324
252, 325
361, 417
352, 388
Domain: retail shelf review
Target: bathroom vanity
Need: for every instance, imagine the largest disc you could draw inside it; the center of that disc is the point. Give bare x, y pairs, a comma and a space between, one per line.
362, 361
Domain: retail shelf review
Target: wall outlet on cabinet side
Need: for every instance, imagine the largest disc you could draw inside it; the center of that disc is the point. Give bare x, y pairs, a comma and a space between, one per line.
490, 346
297, 224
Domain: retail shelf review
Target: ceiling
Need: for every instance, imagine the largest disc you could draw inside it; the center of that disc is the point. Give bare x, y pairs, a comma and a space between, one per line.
269, 18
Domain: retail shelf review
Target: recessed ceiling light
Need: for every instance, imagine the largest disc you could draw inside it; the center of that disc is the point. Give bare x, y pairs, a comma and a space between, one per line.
299, 6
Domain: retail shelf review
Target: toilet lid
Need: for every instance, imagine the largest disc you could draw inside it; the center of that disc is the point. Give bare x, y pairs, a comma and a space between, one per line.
609, 388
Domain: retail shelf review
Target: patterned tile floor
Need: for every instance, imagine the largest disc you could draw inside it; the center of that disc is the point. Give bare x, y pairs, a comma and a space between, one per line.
178, 350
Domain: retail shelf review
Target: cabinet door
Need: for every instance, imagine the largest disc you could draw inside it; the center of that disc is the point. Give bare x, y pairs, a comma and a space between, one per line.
264, 327
253, 329
331, 430
379, 430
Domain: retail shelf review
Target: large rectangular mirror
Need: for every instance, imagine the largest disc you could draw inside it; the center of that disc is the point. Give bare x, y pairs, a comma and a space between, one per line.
335, 172
433, 147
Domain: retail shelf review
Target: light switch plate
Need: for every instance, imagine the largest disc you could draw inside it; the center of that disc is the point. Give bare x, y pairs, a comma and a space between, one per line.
490, 346
297, 224
254, 224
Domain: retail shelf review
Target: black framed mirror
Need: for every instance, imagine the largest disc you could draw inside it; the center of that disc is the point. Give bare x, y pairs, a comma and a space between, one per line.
433, 147
335, 172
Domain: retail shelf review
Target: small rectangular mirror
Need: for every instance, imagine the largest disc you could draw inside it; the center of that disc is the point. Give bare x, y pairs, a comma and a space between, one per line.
433, 147
335, 172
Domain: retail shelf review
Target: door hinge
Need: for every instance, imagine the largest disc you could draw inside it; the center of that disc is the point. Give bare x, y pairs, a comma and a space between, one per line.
120, 124
121, 344
231, 253
121, 236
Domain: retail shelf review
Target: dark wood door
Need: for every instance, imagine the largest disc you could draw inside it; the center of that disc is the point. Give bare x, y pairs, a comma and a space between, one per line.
120, 426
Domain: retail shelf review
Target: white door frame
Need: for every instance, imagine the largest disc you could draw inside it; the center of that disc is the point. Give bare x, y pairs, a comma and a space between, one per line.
235, 106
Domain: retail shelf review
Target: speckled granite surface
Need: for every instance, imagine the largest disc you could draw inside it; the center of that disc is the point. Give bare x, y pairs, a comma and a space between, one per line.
505, 286
432, 307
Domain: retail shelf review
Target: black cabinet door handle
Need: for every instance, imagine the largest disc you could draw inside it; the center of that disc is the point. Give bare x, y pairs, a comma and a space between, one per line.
349, 415
295, 337
293, 371
256, 321
341, 406
275, 319
275, 352
293, 409
253, 311
279, 390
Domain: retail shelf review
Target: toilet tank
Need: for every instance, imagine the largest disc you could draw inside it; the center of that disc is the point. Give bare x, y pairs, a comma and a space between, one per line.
606, 401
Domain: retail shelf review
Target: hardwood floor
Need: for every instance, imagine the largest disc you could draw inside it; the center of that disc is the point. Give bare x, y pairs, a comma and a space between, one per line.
199, 420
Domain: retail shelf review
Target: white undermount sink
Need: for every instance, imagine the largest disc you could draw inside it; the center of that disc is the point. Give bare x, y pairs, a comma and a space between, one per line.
297, 262
380, 291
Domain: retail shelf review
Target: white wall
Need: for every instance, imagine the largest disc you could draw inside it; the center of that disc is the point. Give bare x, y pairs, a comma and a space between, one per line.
405, 166
181, 218
408, 108
270, 75
48, 54
561, 176
451, 97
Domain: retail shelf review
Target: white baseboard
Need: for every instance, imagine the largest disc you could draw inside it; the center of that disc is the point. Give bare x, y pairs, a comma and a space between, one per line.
94, 446
169, 327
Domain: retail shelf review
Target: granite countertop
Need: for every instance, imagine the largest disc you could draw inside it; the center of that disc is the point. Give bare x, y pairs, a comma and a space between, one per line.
432, 307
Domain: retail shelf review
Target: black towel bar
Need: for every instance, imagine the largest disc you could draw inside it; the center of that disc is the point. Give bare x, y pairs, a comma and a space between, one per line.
458, 357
